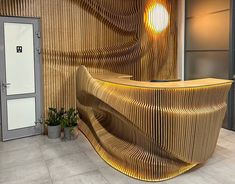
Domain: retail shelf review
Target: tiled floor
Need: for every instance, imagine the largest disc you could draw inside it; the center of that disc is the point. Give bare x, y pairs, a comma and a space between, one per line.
38, 160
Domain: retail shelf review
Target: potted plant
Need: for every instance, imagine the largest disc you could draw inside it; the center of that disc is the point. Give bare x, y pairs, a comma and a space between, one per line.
53, 122
69, 123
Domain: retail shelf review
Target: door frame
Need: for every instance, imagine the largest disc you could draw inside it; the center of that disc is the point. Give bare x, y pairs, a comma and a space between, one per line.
37, 129
231, 99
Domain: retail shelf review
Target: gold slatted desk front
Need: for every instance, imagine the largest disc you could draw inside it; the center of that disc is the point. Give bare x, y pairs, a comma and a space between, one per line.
151, 131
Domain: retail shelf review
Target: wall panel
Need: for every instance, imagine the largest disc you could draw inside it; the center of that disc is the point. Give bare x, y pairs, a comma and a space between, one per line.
207, 64
208, 41
100, 34
203, 7
209, 32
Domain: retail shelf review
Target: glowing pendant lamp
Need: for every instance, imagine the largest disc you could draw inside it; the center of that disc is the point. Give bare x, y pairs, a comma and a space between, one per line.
156, 17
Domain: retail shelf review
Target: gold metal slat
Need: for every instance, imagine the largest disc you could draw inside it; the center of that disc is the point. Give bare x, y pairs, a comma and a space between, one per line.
187, 119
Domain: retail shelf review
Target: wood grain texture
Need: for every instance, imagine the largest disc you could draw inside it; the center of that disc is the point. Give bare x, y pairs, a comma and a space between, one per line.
120, 79
147, 131
103, 35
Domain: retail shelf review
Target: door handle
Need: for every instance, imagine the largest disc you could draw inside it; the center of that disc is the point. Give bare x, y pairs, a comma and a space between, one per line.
5, 85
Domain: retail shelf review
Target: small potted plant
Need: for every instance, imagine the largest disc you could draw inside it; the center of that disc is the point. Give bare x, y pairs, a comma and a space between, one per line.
53, 122
69, 123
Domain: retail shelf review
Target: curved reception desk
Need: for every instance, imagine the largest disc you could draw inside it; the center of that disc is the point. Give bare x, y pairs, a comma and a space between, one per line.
151, 131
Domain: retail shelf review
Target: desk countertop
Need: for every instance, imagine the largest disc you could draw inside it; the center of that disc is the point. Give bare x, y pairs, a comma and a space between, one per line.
125, 79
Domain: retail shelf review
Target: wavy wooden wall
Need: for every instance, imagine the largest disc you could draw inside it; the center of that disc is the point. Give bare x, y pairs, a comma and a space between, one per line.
100, 34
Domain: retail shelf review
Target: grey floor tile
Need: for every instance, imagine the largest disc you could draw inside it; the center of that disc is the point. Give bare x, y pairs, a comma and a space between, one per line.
19, 157
193, 177
28, 173
230, 138
222, 172
18, 144
84, 144
47, 181
69, 165
22, 162
42, 140
115, 177
94, 177
218, 156
225, 132
226, 148
96, 159
219, 171
50, 151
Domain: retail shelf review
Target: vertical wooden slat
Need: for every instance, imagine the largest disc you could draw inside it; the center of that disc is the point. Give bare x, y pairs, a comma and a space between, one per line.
100, 34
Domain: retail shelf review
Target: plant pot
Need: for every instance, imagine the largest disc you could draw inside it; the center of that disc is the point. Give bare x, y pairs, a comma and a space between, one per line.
68, 133
54, 132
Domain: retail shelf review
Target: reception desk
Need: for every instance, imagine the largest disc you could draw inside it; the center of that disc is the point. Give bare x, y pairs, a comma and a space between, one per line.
151, 131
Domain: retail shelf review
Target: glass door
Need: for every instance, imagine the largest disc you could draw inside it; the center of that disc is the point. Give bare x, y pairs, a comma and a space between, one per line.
20, 77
